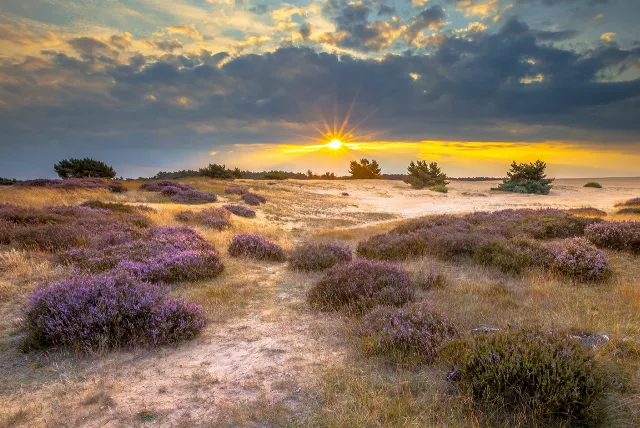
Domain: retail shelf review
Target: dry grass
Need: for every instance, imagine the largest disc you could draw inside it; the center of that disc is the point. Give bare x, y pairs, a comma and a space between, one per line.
267, 359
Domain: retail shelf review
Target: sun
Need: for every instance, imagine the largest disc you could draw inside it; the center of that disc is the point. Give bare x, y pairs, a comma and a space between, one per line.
334, 144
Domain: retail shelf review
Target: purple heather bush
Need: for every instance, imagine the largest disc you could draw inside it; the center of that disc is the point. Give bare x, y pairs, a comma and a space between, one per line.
240, 210
252, 245
362, 284
312, 256
253, 198
579, 259
116, 187
216, 223
170, 190
194, 197
617, 235
75, 183
414, 333
158, 186
635, 202
110, 206
629, 211
545, 374
90, 312
215, 218
176, 266
235, 191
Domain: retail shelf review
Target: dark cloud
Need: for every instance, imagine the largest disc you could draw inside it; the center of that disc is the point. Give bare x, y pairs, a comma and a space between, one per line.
385, 10
166, 45
260, 9
430, 18
466, 88
555, 36
305, 31
557, 2
90, 48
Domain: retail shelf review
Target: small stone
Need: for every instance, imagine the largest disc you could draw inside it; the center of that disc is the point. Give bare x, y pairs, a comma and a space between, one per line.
485, 330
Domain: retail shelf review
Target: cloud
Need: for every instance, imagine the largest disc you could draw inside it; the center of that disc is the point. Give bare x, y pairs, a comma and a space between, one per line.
556, 36
121, 41
185, 30
608, 37
482, 8
165, 45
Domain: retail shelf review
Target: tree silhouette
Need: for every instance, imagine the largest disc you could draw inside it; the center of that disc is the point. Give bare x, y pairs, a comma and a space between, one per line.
82, 168
365, 169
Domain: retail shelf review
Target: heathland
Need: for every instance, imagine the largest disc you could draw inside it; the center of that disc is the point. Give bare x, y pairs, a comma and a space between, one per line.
255, 316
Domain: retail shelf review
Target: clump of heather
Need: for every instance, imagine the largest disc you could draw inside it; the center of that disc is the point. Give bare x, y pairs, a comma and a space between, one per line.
216, 223
413, 333
635, 202
116, 187
314, 256
617, 235
254, 246
89, 312
577, 258
158, 186
235, 191
513, 255
543, 373
362, 284
111, 206
588, 211
170, 190
392, 246
253, 198
429, 279
75, 183
176, 266
240, 210
215, 218
194, 197
629, 210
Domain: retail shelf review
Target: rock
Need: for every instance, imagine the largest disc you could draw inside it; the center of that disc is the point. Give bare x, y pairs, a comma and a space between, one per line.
485, 330
591, 340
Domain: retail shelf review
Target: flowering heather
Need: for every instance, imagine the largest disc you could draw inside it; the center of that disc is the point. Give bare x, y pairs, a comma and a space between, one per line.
629, 210
88, 312
544, 373
513, 255
111, 206
253, 198
194, 196
428, 280
362, 284
577, 258
170, 190
75, 183
392, 247
240, 210
215, 218
116, 187
255, 246
176, 266
617, 235
216, 223
235, 191
635, 202
62, 227
310, 256
157, 186
412, 333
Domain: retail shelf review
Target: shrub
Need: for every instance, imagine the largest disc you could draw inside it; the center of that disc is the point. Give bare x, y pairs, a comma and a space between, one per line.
423, 174
110, 206
255, 246
587, 211
428, 280
216, 223
311, 256
253, 198
544, 373
170, 190
630, 203
527, 178
88, 312
68, 184
176, 266
577, 258
194, 196
514, 255
158, 186
392, 246
629, 210
82, 168
116, 187
365, 169
240, 210
217, 171
617, 235
439, 188
413, 333
362, 284
235, 191
593, 184
216, 218
7, 181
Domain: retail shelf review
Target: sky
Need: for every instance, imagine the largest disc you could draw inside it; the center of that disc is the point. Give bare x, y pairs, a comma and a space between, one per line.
150, 85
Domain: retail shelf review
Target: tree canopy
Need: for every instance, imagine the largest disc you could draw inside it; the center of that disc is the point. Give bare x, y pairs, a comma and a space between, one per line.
82, 168
527, 178
423, 174
365, 169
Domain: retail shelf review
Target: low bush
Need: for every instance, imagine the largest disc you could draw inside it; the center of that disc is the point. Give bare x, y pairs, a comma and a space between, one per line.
414, 333
240, 210
216, 223
194, 197
577, 258
310, 256
587, 211
116, 187
253, 198
235, 191
252, 245
593, 184
635, 202
157, 186
74, 184
544, 374
514, 255
215, 218
392, 246
176, 266
362, 284
427, 280
90, 312
629, 210
616, 235
170, 191
440, 188
111, 206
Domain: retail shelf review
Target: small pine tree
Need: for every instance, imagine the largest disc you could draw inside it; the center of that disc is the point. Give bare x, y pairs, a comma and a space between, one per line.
423, 174
83, 168
527, 178
216, 171
365, 169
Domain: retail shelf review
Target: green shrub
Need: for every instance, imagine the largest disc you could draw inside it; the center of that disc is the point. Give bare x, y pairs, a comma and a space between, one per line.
423, 174
526, 178
543, 373
81, 168
593, 184
439, 188
365, 169
513, 255
217, 171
